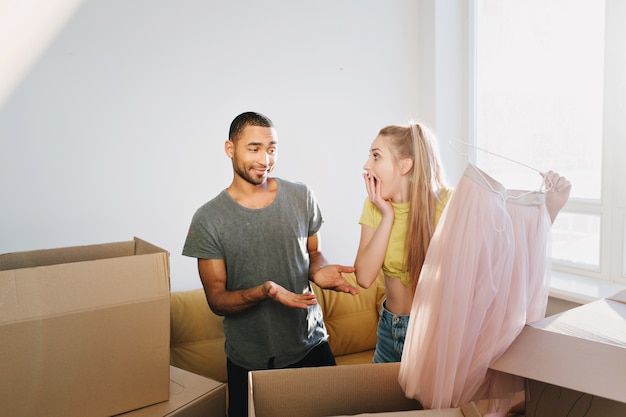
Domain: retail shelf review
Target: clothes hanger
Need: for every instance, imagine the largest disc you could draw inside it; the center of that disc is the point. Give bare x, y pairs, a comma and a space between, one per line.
489, 152
545, 182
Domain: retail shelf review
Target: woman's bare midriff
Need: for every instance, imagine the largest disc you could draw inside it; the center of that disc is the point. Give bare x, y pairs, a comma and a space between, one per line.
399, 297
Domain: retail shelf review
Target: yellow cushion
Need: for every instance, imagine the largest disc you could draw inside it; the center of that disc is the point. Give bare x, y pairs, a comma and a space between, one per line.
197, 336
355, 358
352, 320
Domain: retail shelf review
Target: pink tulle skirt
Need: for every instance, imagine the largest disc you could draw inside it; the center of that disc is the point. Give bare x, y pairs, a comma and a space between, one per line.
483, 279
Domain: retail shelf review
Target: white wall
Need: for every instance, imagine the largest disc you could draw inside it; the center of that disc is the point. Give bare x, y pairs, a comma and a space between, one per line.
117, 128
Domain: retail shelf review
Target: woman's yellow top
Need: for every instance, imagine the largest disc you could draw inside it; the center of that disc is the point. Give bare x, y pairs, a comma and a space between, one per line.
394, 264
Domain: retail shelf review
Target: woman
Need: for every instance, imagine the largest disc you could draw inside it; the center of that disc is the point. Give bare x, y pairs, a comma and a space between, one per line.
406, 191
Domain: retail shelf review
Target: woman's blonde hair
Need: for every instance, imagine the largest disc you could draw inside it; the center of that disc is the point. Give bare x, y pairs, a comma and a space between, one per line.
427, 177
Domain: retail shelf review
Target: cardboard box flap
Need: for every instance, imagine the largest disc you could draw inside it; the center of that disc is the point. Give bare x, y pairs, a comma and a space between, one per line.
191, 395
71, 254
602, 321
469, 410
582, 349
620, 297
143, 247
44, 257
42, 291
567, 361
327, 391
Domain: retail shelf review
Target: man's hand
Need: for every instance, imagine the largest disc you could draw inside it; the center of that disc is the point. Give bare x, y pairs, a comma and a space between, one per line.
279, 294
330, 277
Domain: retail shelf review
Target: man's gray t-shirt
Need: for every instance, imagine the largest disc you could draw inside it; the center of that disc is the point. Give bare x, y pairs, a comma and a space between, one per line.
258, 245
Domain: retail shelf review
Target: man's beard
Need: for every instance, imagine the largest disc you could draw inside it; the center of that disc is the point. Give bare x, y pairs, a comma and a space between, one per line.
245, 173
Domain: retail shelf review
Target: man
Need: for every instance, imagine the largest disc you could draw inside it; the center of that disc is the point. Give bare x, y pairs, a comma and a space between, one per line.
258, 245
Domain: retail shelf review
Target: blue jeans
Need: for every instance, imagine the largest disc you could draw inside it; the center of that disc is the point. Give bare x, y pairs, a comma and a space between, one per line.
391, 334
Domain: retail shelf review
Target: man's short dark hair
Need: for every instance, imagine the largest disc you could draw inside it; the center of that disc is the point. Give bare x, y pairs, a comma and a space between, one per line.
247, 119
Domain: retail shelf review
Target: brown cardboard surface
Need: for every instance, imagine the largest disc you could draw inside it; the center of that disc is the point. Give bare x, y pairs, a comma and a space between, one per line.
191, 395
582, 349
620, 296
602, 321
327, 391
84, 331
546, 400
448, 412
470, 410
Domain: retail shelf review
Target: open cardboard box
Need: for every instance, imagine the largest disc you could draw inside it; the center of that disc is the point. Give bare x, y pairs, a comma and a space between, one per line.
335, 391
84, 331
191, 395
574, 362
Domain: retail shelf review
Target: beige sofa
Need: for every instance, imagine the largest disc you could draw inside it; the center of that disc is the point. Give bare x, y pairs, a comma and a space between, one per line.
197, 334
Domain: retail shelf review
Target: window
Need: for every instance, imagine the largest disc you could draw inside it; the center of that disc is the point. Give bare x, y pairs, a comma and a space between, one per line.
549, 91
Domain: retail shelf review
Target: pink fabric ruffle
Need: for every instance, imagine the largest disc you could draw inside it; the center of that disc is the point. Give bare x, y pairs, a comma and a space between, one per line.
483, 279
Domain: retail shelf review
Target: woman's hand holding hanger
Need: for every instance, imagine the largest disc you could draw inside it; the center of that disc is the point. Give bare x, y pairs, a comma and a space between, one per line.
557, 192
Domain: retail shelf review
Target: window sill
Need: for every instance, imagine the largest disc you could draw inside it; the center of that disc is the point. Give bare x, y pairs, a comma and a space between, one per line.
579, 289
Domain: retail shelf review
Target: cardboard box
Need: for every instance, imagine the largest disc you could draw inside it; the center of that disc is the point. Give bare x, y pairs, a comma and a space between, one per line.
191, 395
84, 331
575, 361
547, 400
335, 391
470, 410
